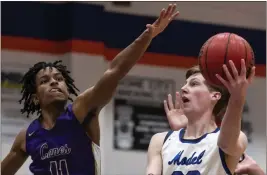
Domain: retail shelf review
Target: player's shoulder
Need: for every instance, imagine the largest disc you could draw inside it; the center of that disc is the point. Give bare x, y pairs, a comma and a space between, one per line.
70, 114
33, 126
156, 142
22, 133
160, 137
20, 140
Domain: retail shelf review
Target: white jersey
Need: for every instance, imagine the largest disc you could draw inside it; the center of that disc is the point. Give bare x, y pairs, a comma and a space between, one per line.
199, 156
97, 157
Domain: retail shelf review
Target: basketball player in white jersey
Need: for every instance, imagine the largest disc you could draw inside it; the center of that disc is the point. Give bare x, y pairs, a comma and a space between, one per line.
201, 148
178, 120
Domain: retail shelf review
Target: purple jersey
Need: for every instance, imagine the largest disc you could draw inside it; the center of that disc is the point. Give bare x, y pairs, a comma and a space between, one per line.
64, 150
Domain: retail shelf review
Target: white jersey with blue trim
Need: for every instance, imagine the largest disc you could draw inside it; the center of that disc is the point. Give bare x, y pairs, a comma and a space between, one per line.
199, 156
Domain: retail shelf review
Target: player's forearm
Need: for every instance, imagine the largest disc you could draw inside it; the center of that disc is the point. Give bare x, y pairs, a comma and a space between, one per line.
231, 125
127, 58
12, 162
155, 169
107, 84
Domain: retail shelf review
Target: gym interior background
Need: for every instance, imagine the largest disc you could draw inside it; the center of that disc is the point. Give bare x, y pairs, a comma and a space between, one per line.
87, 35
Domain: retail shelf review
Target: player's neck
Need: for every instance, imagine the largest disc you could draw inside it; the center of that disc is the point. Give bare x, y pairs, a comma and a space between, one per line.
50, 114
200, 125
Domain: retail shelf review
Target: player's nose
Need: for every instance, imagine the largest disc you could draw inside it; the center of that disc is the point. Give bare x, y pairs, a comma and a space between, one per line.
53, 82
184, 89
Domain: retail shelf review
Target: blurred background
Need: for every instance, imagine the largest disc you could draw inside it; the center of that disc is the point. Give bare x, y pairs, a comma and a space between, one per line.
86, 35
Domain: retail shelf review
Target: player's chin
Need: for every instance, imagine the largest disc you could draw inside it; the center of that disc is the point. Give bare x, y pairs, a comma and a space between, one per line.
59, 99
187, 110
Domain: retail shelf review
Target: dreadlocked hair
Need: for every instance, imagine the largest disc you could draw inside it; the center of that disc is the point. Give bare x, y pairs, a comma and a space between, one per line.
29, 85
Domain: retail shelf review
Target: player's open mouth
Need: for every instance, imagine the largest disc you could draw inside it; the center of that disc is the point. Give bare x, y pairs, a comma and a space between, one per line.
55, 90
185, 100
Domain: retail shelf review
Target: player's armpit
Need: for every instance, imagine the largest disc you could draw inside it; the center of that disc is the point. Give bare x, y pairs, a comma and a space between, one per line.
92, 128
16, 157
232, 159
154, 164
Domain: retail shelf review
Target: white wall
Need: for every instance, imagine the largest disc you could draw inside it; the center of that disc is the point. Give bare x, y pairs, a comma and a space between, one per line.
86, 70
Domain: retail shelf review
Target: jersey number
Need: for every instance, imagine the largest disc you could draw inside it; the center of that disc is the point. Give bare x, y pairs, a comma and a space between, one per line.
189, 173
59, 167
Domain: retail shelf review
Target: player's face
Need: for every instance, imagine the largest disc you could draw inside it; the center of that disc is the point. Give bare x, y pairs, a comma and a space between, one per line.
51, 87
196, 95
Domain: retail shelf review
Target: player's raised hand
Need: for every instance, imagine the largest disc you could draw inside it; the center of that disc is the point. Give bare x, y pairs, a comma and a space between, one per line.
238, 83
166, 16
175, 113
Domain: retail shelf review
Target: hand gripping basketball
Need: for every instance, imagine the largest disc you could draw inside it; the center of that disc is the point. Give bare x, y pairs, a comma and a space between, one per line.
166, 16
238, 83
218, 50
175, 113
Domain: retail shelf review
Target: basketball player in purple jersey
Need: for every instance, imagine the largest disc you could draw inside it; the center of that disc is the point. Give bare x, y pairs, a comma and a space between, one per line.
64, 140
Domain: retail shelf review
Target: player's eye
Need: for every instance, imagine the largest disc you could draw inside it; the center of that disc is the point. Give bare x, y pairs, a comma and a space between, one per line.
59, 78
193, 83
43, 81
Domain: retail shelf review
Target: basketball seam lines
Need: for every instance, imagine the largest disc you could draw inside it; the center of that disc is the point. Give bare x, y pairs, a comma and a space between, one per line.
206, 56
246, 54
248, 64
226, 53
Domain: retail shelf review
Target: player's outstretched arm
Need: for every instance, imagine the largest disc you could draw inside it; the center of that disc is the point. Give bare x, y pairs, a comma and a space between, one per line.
154, 159
16, 157
100, 94
231, 140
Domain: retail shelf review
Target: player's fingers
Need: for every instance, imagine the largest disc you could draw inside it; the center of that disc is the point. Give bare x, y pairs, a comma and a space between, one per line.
168, 11
178, 98
172, 9
224, 82
165, 106
177, 101
174, 16
227, 73
234, 70
170, 103
243, 68
149, 28
252, 75
161, 16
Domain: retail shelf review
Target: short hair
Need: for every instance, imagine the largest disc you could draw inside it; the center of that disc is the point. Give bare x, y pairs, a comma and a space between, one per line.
220, 107
29, 85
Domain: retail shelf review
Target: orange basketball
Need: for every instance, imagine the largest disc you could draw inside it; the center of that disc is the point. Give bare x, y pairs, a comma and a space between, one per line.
218, 50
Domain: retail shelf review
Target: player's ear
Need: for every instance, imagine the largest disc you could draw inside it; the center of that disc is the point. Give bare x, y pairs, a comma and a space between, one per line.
35, 99
216, 96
